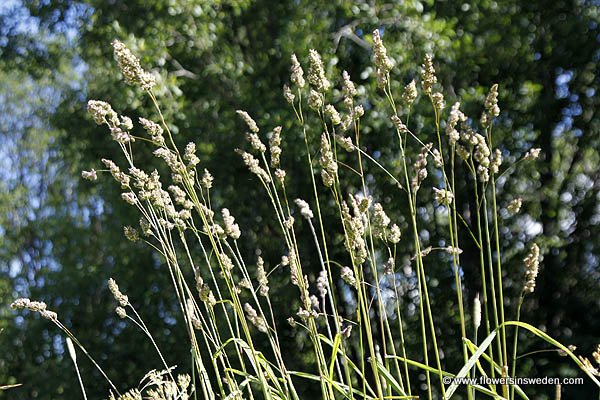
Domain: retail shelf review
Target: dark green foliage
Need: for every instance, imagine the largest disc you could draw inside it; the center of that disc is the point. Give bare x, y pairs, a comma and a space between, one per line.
61, 237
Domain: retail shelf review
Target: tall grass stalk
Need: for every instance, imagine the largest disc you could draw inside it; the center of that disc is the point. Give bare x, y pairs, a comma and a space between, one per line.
354, 350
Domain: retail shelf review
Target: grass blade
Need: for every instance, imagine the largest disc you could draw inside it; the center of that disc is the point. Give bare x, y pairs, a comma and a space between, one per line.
467, 367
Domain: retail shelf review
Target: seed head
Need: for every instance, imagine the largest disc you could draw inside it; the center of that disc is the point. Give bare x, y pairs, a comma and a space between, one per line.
399, 124
130, 67
358, 111
226, 263
288, 95
454, 118
348, 276
333, 114
346, 331
206, 295
35, 306
491, 107
297, 76
280, 175
129, 198
316, 73
190, 155
207, 179
587, 365
380, 221
231, 228
476, 312
437, 158
388, 266
315, 100
254, 166
274, 146
345, 142
443, 196
495, 161
327, 162
438, 100
532, 263
596, 354
453, 250
349, 89
121, 312
383, 63
428, 78
483, 173
154, 130
354, 224
131, 234
89, 175
410, 93
304, 209
261, 275
462, 152
255, 142
248, 120
515, 205
394, 234
255, 319
420, 167
532, 154
102, 112
322, 283
119, 297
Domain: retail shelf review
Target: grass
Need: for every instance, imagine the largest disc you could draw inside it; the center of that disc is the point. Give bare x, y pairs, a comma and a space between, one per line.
227, 307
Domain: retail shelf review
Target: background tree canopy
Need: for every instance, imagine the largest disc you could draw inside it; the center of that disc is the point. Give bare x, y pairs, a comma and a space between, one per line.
61, 237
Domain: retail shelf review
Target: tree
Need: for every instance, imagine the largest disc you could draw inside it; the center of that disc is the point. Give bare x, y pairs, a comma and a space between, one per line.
215, 57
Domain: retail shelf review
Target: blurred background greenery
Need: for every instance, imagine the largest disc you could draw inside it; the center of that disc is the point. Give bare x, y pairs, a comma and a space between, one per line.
61, 237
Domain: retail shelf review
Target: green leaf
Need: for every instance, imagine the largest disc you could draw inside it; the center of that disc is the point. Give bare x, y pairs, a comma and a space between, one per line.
336, 347
541, 334
470, 363
390, 379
